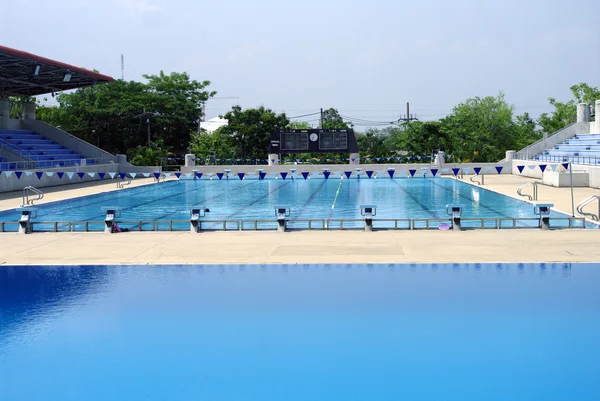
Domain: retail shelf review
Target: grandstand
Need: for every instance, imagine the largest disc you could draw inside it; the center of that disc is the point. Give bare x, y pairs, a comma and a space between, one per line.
30, 144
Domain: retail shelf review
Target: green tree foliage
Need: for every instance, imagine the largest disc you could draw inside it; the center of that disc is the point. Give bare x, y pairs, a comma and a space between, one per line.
480, 129
218, 144
149, 156
250, 130
421, 138
333, 120
376, 142
16, 105
566, 113
108, 115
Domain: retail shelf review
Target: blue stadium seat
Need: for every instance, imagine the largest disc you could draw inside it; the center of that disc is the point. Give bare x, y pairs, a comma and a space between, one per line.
35, 147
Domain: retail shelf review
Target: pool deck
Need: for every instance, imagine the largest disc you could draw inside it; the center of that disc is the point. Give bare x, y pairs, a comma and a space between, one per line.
308, 246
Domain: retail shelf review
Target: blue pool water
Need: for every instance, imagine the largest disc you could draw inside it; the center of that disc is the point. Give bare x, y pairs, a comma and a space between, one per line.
300, 332
308, 199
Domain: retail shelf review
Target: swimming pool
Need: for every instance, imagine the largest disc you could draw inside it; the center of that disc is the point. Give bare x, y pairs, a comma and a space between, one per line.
300, 332
234, 199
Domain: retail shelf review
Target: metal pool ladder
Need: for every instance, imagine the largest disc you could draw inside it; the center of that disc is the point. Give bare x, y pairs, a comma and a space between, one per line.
586, 202
27, 191
471, 178
122, 183
535, 190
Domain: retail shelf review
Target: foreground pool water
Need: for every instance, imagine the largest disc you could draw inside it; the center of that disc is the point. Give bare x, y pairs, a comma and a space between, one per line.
300, 332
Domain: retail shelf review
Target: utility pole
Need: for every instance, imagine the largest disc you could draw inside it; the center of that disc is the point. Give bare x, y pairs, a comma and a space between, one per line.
146, 115
408, 116
321, 123
122, 67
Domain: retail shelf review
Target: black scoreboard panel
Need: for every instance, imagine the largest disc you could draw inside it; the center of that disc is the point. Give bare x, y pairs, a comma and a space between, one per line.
313, 141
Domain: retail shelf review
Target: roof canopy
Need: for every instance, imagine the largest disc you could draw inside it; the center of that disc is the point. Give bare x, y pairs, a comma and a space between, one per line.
25, 74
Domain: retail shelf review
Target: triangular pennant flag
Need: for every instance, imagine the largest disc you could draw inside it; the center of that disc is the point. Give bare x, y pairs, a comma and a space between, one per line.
455, 171
60, 175
28, 173
434, 171
520, 168
412, 172
146, 175
155, 174
80, 175
134, 174
188, 175
101, 175
353, 159
91, 175
70, 174
445, 170
241, 175
499, 169
348, 173
391, 173
565, 166
198, 175
50, 173
122, 175
283, 175
113, 175
532, 166
326, 174
553, 166
466, 170
176, 175
8, 173
488, 169
543, 167
369, 174
220, 175
261, 175
477, 170
39, 174
305, 174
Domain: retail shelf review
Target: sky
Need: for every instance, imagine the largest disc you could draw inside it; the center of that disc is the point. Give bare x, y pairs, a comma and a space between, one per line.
365, 58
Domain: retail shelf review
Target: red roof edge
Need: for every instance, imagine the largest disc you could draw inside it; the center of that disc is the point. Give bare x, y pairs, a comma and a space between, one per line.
39, 59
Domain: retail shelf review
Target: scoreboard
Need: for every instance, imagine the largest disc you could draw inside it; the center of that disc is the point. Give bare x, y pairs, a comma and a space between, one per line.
313, 141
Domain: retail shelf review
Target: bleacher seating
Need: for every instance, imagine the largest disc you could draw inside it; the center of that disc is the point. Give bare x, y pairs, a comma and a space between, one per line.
584, 149
39, 149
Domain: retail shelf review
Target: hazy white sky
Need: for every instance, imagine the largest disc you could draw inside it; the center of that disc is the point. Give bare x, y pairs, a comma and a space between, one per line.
366, 58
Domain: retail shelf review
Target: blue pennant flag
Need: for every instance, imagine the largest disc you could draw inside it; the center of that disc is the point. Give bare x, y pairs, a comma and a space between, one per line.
369, 174
156, 175
434, 171
455, 171
305, 174
18, 174
391, 173
177, 175
477, 170
412, 172
39, 174
565, 166
199, 175
283, 174
241, 175
220, 175
348, 173
543, 167
326, 174
60, 175
353, 159
101, 175
261, 175
81, 175
520, 168
122, 175
499, 169
272, 160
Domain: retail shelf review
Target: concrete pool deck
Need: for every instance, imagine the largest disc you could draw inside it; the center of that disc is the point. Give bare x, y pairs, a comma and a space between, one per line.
305, 247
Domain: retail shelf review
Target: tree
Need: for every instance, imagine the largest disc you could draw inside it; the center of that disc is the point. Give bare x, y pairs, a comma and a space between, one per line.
421, 138
333, 120
374, 143
299, 125
149, 156
480, 129
527, 132
250, 130
216, 144
566, 113
109, 115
